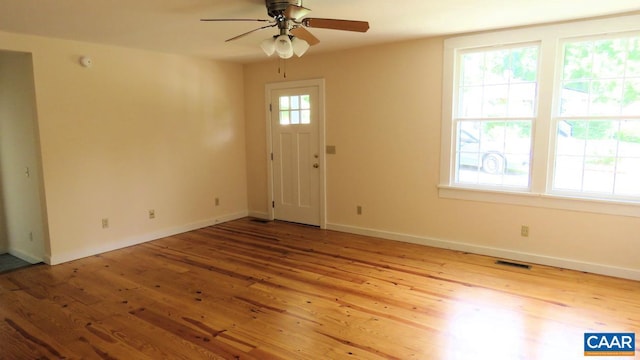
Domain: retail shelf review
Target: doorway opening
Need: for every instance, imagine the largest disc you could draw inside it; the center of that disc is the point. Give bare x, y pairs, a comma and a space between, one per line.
23, 230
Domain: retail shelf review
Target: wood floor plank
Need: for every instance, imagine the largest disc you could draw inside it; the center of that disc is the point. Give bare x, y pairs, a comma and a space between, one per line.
255, 290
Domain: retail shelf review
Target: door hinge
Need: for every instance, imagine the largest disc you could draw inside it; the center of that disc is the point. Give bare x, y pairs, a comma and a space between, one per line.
270, 107
271, 156
273, 204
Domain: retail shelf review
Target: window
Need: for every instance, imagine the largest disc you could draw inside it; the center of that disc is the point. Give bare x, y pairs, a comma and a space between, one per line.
295, 110
494, 116
598, 142
543, 115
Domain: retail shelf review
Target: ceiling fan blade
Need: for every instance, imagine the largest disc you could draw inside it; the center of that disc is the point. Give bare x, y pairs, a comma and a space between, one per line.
249, 32
296, 12
263, 20
348, 25
305, 35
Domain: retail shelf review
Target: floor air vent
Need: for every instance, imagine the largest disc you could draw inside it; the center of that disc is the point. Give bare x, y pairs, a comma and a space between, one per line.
513, 264
258, 220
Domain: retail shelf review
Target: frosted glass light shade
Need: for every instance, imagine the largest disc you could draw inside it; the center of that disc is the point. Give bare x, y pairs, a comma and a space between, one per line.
268, 46
284, 48
299, 46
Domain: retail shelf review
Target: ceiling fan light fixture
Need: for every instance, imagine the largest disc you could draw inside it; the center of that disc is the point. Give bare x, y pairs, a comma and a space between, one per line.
289, 17
284, 48
268, 46
299, 46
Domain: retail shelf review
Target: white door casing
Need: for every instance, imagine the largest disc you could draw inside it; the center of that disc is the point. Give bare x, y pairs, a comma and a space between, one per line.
295, 140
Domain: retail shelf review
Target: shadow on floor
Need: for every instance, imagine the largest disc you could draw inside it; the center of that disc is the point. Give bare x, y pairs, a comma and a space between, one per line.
9, 262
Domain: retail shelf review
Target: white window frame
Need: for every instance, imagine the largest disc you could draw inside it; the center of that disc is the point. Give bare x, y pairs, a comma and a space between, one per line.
550, 38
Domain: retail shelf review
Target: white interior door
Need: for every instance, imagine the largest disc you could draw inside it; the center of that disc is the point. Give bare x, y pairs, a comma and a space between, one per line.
296, 157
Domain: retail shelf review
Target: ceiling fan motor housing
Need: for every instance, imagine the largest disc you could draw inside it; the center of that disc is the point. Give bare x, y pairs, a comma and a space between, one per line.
276, 8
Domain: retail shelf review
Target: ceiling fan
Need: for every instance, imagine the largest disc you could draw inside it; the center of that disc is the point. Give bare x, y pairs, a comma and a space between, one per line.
293, 37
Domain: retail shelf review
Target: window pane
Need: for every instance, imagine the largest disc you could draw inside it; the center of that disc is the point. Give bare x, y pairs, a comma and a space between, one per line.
609, 57
629, 136
305, 116
493, 153
295, 116
522, 100
497, 67
295, 102
284, 103
495, 101
284, 118
627, 177
568, 173
470, 102
601, 77
577, 61
598, 180
600, 157
524, 64
498, 83
305, 102
606, 96
472, 69
574, 99
566, 143
633, 57
631, 97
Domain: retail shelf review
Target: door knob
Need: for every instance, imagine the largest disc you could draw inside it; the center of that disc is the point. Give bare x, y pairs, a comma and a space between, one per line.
316, 165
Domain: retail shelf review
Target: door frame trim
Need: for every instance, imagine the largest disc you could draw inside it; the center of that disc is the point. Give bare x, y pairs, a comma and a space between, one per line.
269, 88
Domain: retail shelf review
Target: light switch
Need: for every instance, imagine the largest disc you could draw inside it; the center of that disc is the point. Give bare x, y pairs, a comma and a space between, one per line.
331, 149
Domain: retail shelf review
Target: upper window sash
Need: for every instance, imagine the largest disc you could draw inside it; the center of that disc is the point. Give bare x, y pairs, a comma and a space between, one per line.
498, 82
598, 76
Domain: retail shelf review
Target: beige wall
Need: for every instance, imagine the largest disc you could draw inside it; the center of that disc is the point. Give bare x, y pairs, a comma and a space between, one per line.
383, 114
142, 130
137, 131
21, 218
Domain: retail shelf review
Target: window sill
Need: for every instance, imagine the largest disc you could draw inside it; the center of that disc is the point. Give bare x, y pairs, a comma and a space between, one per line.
597, 206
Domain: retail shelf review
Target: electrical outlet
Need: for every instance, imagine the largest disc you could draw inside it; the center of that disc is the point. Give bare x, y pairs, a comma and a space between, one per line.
105, 223
359, 210
152, 214
524, 231
217, 201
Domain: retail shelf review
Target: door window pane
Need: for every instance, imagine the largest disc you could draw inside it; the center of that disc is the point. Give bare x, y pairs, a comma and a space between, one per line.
295, 110
284, 103
295, 116
284, 118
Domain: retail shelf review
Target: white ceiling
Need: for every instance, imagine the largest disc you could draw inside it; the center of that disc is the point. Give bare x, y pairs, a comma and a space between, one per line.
174, 26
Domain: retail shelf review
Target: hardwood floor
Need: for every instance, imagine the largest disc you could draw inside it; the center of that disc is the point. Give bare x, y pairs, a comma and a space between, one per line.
251, 290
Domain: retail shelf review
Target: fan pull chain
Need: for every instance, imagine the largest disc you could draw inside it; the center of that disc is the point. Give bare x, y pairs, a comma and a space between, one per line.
282, 67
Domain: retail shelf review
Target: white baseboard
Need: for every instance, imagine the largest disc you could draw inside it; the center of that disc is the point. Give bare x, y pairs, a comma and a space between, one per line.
260, 215
60, 258
632, 274
24, 256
